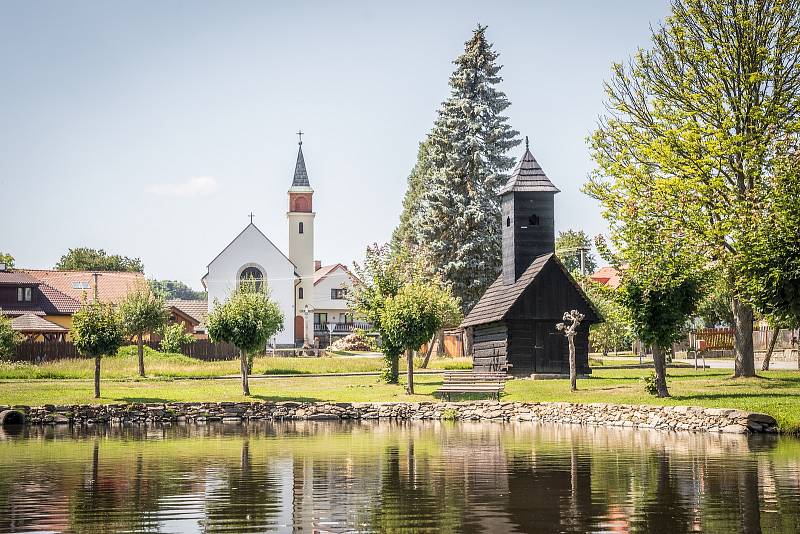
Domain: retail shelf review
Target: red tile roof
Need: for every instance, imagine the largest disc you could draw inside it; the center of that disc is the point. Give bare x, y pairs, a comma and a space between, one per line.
321, 273
608, 276
113, 287
31, 324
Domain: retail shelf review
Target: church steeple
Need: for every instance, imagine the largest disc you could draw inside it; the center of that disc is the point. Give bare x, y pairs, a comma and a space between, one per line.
527, 206
300, 173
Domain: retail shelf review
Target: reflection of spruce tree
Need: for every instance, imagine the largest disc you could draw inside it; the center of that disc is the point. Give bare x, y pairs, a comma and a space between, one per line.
249, 498
414, 502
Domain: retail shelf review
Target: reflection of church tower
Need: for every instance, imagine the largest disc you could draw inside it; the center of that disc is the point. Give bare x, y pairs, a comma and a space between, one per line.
301, 246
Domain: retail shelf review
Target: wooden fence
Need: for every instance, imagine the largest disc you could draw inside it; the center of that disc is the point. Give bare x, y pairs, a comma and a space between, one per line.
43, 351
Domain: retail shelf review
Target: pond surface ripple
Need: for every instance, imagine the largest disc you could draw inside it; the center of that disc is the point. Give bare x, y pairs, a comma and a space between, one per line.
307, 476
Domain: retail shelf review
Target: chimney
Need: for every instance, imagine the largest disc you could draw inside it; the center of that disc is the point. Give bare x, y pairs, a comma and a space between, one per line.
317, 265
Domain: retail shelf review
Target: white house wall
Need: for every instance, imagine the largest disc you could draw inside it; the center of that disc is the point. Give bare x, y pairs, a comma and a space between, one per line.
323, 302
251, 247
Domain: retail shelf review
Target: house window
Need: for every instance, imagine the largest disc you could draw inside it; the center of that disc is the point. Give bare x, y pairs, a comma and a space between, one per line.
346, 318
300, 293
254, 276
338, 294
24, 294
320, 319
300, 227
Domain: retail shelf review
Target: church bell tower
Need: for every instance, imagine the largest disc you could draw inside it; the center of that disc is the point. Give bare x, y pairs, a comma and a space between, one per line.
527, 205
301, 247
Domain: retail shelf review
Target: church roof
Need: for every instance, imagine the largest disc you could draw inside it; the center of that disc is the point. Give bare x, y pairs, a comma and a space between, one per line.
529, 176
300, 173
499, 298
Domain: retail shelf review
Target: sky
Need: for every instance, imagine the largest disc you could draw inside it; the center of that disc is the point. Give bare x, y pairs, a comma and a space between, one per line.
152, 129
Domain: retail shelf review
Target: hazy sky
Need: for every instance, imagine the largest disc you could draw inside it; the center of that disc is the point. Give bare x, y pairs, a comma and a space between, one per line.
152, 129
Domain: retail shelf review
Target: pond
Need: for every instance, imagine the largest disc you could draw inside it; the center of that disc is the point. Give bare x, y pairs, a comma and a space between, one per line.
314, 476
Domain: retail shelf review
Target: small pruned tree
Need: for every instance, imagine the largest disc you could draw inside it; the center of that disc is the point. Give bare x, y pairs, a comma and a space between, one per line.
247, 320
97, 331
9, 338
142, 312
659, 302
572, 321
174, 337
414, 314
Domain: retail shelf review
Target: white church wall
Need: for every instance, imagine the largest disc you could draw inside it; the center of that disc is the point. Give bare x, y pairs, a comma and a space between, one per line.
252, 248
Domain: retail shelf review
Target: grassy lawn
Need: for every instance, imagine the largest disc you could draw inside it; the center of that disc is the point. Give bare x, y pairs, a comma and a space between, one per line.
158, 365
775, 392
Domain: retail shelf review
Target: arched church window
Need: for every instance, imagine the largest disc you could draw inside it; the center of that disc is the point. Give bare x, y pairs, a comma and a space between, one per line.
300, 227
254, 276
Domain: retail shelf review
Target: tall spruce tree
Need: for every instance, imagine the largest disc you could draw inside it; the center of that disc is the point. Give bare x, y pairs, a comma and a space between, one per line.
452, 207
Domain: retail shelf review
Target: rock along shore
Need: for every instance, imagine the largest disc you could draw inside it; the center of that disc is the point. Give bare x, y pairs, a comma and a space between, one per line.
675, 418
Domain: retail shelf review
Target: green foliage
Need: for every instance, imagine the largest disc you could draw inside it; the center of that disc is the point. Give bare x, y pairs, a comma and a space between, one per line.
392, 292
9, 338
174, 289
714, 308
568, 245
97, 330
650, 385
174, 337
8, 259
616, 330
415, 313
451, 214
449, 414
248, 319
90, 259
770, 265
142, 311
693, 125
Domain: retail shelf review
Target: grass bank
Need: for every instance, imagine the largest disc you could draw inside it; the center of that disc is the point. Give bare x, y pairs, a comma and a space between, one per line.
160, 365
774, 392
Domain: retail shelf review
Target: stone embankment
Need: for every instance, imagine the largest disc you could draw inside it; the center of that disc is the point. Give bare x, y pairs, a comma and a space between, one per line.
683, 418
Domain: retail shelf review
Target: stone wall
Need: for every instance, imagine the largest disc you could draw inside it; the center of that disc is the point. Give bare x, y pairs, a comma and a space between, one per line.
634, 416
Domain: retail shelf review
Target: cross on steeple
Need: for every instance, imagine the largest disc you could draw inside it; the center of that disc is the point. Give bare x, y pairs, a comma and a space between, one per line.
251, 217
300, 136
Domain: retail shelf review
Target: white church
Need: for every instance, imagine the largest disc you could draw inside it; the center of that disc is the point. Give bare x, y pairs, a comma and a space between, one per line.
311, 296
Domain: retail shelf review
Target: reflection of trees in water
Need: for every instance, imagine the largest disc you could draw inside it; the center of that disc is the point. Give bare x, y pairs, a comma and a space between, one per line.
244, 495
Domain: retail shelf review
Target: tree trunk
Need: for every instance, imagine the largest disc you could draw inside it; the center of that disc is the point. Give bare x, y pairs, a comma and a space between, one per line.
140, 349
659, 362
744, 359
467, 341
573, 371
394, 368
410, 372
243, 365
97, 377
428, 353
440, 343
772, 342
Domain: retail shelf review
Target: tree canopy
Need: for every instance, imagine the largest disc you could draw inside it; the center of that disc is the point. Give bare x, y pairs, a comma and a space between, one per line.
97, 331
141, 312
90, 259
451, 213
568, 249
8, 259
9, 338
175, 289
691, 132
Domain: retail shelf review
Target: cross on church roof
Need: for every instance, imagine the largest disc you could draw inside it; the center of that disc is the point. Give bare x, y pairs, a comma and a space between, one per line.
300, 136
251, 217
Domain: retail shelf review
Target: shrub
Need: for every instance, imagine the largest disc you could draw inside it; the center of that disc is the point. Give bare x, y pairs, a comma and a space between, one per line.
9, 338
650, 384
174, 337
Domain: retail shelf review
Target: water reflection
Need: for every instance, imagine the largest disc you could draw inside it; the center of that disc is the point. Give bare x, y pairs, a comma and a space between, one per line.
382, 477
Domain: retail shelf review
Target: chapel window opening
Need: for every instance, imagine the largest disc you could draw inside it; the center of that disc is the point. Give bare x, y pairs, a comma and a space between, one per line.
253, 276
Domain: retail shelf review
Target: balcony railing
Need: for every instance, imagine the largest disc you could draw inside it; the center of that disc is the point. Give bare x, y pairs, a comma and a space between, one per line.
341, 328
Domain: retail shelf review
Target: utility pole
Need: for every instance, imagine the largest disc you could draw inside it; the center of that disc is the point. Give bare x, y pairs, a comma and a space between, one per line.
96, 290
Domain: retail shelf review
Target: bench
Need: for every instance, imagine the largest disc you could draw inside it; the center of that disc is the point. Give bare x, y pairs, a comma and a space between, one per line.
473, 382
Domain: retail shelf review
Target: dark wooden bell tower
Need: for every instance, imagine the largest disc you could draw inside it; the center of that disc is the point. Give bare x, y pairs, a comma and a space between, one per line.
527, 206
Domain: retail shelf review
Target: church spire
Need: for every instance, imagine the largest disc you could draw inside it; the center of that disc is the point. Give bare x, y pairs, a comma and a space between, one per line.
529, 176
300, 173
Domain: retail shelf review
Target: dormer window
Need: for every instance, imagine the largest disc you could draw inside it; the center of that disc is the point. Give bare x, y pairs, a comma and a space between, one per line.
24, 294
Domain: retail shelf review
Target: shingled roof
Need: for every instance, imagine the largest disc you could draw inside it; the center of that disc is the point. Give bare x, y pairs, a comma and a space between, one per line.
196, 309
499, 298
33, 324
300, 173
529, 176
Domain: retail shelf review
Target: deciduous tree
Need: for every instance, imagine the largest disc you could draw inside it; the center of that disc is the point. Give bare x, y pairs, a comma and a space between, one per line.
142, 312
569, 245
97, 331
692, 128
90, 259
9, 338
248, 319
